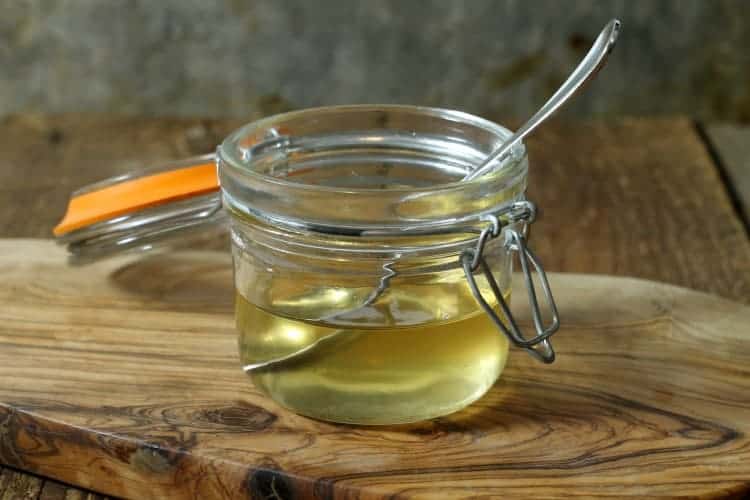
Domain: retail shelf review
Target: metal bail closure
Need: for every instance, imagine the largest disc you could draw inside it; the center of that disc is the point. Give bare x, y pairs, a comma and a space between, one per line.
538, 346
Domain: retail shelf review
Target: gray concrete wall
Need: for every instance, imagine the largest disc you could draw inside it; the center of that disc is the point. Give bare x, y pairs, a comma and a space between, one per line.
254, 57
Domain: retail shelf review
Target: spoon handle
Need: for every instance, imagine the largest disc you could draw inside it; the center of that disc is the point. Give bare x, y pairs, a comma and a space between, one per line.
586, 69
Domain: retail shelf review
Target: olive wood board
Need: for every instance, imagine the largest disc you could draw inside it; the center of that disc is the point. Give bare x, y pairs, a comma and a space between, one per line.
123, 377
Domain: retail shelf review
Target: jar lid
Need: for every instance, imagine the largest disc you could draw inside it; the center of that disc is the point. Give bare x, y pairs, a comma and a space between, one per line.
139, 211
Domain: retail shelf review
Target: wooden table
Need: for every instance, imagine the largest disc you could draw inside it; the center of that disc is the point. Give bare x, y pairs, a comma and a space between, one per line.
646, 198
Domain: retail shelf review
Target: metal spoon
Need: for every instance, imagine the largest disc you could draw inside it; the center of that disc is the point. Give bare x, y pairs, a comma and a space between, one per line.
586, 69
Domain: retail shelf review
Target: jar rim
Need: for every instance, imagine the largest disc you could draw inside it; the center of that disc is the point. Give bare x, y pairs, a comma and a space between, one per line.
229, 151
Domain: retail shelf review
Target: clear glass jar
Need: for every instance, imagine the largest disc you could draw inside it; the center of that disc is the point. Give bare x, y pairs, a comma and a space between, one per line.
348, 225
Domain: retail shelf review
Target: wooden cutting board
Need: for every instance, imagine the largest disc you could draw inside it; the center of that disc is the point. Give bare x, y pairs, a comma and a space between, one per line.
123, 377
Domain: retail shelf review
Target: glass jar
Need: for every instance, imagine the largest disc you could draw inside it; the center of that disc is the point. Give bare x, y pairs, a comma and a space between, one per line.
348, 225
371, 281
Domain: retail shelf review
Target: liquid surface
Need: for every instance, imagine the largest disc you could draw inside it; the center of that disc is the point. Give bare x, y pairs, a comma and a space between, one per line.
373, 375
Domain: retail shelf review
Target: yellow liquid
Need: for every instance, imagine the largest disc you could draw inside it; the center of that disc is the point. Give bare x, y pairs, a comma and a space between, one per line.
374, 375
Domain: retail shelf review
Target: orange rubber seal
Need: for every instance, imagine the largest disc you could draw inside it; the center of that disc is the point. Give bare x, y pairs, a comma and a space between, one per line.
137, 194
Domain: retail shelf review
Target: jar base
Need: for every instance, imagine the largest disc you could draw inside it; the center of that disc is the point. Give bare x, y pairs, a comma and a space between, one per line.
375, 415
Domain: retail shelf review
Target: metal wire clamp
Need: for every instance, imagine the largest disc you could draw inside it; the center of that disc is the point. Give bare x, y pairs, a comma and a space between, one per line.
523, 213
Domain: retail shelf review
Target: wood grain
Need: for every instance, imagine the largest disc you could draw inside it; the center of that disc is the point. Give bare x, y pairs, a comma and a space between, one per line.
16, 485
637, 198
631, 197
732, 145
123, 377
